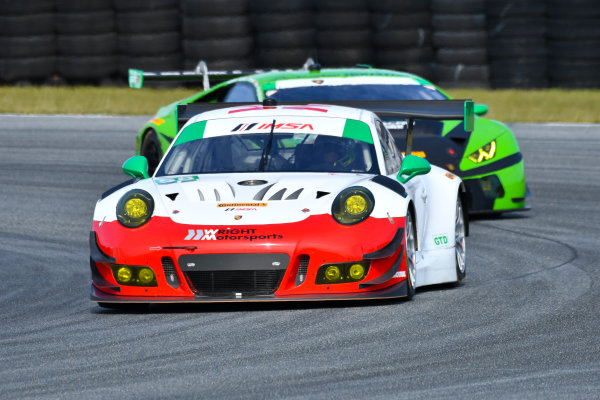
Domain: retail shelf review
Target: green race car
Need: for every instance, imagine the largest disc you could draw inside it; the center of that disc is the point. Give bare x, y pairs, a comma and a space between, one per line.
488, 159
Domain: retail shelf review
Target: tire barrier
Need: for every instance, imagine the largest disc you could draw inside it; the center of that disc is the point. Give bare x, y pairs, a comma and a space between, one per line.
283, 32
86, 41
516, 43
149, 35
343, 36
218, 32
402, 36
27, 41
484, 43
460, 43
573, 35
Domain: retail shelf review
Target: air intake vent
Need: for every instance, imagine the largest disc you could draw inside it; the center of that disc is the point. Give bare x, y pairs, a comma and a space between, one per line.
228, 283
170, 273
302, 269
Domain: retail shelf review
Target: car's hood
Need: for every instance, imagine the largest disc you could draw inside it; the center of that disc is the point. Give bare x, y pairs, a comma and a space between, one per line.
244, 199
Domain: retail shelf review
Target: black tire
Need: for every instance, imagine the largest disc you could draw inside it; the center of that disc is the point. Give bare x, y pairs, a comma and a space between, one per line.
517, 27
459, 240
329, 21
530, 68
282, 21
214, 49
410, 254
151, 149
396, 6
385, 21
462, 73
215, 27
343, 38
458, 22
144, 5
341, 6
27, 46
82, 6
159, 62
516, 47
345, 57
34, 68
87, 45
458, 6
404, 56
396, 38
287, 6
23, 8
214, 7
147, 44
153, 21
293, 57
222, 64
284, 39
508, 9
467, 56
458, 39
26, 25
582, 50
85, 22
573, 29
88, 68
421, 69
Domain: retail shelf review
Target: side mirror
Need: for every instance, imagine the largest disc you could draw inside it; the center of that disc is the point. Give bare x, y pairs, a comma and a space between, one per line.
480, 109
411, 167
137, 167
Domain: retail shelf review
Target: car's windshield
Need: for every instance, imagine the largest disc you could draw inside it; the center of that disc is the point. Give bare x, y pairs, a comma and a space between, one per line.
326, 92
289, 152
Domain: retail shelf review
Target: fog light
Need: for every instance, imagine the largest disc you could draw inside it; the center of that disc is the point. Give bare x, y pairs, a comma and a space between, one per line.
332, 273
124, 275
357, 272
146, 276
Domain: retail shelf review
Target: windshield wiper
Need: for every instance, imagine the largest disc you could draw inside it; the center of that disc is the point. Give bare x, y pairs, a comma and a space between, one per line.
266, 150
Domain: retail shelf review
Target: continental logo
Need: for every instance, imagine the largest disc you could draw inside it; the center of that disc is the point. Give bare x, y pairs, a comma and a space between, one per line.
241, 205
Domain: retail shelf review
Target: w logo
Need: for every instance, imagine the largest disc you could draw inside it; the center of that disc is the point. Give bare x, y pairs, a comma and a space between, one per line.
199, 234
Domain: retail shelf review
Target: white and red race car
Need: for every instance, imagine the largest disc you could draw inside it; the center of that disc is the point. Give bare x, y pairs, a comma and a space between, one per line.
282, 202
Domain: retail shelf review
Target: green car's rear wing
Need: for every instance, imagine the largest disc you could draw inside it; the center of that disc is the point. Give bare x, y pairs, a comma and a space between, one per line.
409, 109
137, 77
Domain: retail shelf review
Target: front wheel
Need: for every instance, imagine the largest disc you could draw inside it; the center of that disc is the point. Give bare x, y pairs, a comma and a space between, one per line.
410, 255
151, 150
459, 241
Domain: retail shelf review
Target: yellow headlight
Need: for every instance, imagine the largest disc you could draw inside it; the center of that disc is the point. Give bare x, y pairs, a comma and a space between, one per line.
332, 273
357, 272
356, 204
124, 274
484, 153
146, 275
136, 208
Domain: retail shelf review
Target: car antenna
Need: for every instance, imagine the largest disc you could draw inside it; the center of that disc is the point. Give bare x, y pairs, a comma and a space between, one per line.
267, 150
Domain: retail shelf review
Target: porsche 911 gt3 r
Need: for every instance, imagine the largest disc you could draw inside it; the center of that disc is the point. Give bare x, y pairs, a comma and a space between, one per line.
488, 159
274, 203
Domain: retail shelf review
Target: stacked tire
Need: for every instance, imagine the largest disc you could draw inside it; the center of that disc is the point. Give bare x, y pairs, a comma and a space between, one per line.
27, 41
517, 43
574, 43
402, 35
86, 40
283, 32
343, 33
148, 35
459, 39
217, 32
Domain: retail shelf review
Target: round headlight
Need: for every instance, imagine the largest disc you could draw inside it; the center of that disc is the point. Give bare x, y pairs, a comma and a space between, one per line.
124, 275
332, 273
357, 272
146, 276
353, 205
135, 208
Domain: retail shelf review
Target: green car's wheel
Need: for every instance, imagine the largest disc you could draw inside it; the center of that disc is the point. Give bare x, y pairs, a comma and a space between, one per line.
151, 150
459, 241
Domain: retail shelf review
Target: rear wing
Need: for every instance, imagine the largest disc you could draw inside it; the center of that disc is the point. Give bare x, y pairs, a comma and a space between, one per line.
440, 110
137, 77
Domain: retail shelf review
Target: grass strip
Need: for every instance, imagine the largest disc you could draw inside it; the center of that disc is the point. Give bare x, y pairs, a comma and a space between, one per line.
510, 105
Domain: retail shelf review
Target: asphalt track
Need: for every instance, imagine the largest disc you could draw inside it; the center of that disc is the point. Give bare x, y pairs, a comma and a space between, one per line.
524, 324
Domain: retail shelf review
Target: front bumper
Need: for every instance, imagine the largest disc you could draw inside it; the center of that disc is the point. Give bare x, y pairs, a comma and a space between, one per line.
274, 263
